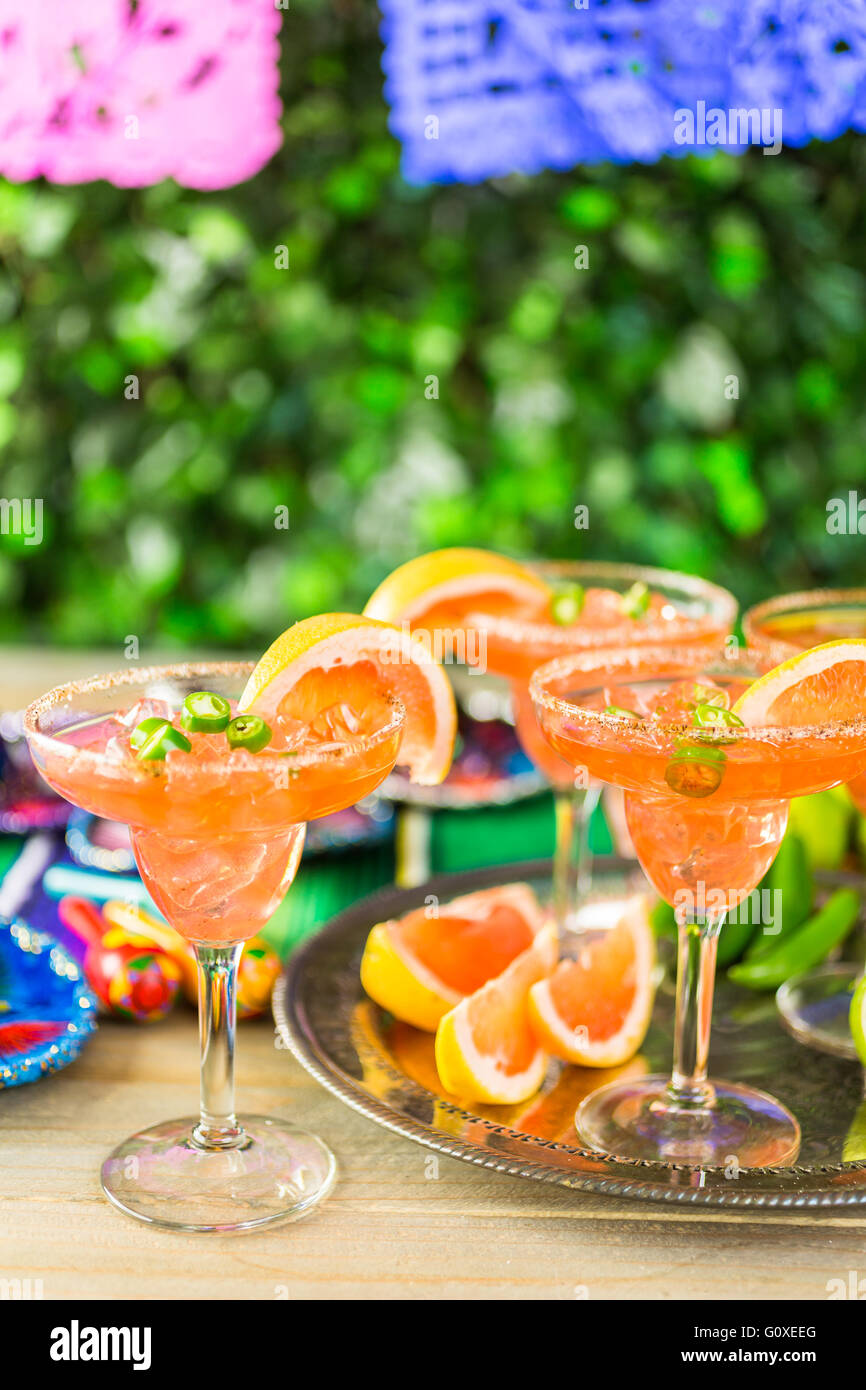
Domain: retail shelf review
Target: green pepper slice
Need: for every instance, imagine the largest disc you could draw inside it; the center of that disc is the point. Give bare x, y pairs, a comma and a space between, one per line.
141, 733
250, 732
808, 945
791, 876
635, 601
567, 604
696, 771
205, 713
716, 717
158, 743
707, 716
622, 713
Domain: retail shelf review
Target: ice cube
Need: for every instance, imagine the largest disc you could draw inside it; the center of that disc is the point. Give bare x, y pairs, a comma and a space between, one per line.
145, 708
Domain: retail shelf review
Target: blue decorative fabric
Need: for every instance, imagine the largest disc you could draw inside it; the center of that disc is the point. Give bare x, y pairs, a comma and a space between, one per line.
483, 88
47, 1012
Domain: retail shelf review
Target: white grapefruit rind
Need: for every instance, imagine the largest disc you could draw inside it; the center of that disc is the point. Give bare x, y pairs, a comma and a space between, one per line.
399, 983
620, 1046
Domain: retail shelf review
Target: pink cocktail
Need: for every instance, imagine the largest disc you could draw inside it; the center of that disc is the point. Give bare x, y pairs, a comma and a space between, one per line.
791, 623
706, 801
619, 605
816, 1003
217, 832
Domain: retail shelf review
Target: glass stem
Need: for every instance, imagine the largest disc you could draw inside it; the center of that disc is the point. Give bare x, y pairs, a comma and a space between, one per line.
573, 808
218, 1127
414, 847
696, 974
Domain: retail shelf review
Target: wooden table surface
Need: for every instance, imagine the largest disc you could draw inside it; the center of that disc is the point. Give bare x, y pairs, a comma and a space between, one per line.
389, 1230
392, 1227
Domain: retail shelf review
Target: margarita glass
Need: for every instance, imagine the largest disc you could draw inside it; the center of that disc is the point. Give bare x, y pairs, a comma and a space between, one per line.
624, 605
815, 1005
217, 834
707, 807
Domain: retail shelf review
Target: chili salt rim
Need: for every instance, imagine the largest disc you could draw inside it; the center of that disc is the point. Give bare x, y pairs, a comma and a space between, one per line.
781, 604
699, 661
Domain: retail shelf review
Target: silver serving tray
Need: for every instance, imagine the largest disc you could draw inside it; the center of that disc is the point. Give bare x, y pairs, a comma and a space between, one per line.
385, 1070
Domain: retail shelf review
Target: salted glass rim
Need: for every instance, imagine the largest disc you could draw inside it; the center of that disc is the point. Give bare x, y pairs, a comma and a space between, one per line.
700, 659
146, 675
721, 611
785, 603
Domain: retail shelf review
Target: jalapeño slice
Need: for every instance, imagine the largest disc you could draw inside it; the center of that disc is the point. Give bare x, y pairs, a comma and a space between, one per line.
622, 713
696, 770
567, 604
636, 600
205, 713
707, 695
160, 741
141, 733
249, 732
712, 717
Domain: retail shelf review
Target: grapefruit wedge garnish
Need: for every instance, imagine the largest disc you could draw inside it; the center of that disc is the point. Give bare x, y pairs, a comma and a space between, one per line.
444, 586
485, 1047
420, 965
595, 1009
824, 684
345, 661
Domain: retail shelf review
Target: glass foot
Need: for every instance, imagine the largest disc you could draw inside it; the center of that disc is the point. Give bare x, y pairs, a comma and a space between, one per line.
814, 1007
277, 1173
742, 1128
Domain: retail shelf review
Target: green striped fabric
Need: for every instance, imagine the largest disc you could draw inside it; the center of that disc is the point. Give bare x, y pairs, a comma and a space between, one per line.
10, 848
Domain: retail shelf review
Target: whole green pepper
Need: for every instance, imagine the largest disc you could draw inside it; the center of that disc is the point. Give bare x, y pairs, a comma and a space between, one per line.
790, 876
734, 938
663, 919
805, 948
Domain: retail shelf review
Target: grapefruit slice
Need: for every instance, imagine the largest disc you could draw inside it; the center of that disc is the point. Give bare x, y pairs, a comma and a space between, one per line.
445, 585
594, 1010
823, 684
343, 659
485, 1047
419, 966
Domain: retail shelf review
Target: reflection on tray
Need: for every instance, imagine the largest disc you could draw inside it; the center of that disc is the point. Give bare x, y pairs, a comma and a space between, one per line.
549, 1114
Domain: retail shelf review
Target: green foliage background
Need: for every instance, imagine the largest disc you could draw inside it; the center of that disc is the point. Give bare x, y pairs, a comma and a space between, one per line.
305, 387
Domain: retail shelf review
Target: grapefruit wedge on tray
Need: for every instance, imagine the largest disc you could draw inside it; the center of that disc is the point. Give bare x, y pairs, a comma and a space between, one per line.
485, 1047
594, 1009
422, 965
482, 972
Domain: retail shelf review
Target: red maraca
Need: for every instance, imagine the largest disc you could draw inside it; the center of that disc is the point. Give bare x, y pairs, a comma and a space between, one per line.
128, 974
